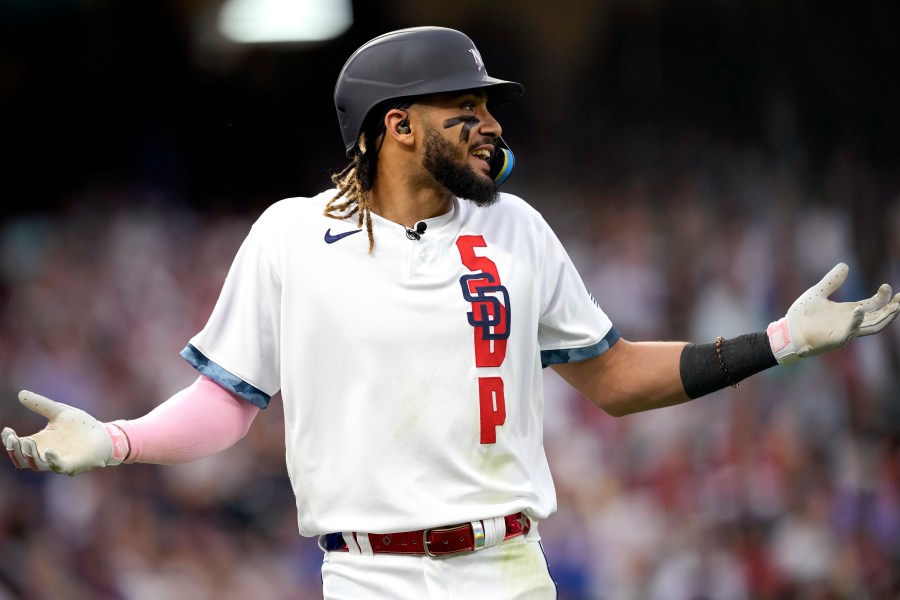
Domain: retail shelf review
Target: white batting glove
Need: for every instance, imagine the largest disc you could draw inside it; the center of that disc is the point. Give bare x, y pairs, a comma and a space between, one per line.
72, 442
814, 324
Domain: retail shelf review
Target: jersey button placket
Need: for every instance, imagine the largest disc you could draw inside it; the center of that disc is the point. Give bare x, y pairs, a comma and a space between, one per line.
423, 254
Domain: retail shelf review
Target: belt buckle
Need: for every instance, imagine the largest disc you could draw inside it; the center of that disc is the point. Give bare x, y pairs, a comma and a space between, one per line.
477, 539
425, 543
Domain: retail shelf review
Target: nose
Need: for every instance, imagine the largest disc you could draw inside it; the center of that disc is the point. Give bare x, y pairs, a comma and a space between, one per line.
489, 125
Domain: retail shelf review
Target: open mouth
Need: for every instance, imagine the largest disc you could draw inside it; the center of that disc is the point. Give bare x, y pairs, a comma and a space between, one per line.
484, 153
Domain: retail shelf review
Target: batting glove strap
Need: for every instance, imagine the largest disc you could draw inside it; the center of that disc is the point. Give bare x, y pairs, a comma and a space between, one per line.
133, 438
783, 348
120, 445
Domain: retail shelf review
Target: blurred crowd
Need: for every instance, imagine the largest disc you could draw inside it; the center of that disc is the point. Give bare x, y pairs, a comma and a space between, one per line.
786, 487
704, 164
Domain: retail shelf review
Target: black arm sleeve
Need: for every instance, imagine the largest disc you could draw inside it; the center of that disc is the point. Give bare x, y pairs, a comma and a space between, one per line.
703, 373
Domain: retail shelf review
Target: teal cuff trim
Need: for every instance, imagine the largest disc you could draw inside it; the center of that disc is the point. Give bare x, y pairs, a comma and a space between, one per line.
567, 355
225, 378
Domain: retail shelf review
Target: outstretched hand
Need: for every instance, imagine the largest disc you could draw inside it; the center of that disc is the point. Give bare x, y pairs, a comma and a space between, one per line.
72, 442
814, 324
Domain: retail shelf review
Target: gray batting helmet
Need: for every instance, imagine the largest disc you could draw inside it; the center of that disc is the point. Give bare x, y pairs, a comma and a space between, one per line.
411, 62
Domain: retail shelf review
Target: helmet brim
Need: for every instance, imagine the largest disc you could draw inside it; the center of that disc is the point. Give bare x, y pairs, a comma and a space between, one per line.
499, 91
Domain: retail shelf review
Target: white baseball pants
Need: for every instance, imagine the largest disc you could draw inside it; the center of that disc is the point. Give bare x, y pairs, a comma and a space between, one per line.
513, 570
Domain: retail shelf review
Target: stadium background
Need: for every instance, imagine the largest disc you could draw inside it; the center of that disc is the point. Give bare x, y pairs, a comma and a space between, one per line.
703, 161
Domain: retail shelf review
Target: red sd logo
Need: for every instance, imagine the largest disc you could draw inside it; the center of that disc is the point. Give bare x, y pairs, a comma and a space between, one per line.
490, 319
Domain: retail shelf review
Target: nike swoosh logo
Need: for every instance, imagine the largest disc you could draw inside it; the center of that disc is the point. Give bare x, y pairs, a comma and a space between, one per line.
331, 238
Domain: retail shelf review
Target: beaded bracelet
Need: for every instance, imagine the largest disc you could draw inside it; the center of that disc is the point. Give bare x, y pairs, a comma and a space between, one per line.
728, 379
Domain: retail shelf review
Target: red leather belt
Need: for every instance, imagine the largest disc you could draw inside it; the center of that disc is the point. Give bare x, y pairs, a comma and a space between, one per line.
440, 541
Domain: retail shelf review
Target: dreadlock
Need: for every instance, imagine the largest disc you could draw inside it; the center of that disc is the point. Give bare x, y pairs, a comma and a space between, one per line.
353, 185
355, 181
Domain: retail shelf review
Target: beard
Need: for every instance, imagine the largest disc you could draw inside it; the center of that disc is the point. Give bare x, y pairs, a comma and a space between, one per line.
461, 180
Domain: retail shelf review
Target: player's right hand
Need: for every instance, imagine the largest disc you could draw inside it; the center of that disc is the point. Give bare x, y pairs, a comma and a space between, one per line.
72, 442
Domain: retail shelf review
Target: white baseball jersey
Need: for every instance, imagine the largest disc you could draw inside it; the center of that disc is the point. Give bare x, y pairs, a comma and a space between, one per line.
411, 377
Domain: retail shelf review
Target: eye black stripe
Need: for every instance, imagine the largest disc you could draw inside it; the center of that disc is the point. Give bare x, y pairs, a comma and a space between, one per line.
469, 123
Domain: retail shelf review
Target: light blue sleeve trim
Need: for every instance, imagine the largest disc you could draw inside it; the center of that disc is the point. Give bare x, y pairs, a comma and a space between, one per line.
225, 378
567, 355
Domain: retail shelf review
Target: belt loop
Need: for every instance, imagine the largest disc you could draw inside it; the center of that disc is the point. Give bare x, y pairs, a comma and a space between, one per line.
365, 544
494, 531
350, 540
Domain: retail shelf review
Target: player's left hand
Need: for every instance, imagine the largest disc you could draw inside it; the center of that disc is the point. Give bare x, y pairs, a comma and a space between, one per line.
814, 324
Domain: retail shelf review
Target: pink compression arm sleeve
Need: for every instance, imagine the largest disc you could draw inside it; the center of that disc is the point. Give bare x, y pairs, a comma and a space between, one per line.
198, 421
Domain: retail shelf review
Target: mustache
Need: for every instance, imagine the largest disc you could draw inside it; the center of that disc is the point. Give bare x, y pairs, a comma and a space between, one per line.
485, 141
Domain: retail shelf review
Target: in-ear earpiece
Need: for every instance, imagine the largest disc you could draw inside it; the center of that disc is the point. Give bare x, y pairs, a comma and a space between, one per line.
403, 127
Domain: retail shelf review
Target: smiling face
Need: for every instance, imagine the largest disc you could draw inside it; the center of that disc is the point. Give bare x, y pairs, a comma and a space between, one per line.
459, 138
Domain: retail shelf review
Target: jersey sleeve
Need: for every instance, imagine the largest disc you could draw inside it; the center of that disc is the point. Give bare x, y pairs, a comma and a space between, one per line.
239, 347
572, 325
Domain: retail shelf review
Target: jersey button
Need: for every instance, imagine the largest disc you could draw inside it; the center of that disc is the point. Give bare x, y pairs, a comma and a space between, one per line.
423, 256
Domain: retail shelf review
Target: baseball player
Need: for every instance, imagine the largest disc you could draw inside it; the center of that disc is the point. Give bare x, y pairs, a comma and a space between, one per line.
405, 317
